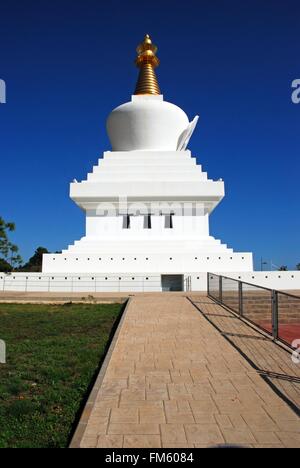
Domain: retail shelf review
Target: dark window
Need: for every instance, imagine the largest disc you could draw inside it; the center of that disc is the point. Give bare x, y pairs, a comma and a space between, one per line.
169, 221
147, 221
126, 221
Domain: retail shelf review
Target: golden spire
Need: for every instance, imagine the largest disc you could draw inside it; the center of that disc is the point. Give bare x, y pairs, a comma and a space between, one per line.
146, 61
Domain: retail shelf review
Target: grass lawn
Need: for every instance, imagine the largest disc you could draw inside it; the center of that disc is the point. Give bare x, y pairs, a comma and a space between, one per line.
53, 352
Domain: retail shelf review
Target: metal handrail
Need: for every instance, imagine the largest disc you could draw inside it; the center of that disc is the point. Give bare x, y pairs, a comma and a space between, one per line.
253, 284
274, 317
238, 280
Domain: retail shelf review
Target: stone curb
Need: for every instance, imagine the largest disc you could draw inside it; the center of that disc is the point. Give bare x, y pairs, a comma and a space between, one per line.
79, 432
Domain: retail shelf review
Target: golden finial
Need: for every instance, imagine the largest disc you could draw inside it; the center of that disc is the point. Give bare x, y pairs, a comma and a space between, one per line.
146, 61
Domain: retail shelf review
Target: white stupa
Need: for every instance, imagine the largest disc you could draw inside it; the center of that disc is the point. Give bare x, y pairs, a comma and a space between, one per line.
147, 202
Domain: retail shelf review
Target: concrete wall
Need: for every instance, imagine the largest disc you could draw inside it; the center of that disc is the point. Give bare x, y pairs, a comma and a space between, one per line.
282, 280
132, 282
90, 282
164, 262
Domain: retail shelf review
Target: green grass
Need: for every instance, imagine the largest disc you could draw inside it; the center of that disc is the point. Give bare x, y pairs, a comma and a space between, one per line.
53, 352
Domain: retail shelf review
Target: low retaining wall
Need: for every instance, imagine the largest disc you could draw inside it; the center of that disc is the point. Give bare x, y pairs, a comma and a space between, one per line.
281, 280
91, 283
130, 282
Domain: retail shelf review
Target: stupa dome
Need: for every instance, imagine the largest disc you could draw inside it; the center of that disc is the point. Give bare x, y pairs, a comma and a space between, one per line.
146, 123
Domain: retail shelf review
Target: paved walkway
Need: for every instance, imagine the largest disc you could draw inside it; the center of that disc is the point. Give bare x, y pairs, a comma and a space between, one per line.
272, 362
173, 380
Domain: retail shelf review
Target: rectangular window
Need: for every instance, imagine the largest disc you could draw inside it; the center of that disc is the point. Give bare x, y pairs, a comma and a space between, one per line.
126, 221
147, 221
169, 221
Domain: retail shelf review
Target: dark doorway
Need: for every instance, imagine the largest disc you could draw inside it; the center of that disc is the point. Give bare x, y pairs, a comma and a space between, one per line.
172, 282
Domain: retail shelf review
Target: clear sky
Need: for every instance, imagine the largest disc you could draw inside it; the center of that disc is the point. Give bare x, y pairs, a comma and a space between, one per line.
67, 64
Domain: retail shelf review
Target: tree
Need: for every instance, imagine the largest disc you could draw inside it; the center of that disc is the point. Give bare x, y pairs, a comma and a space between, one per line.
35, 262
282, 268
4, 242
15, 258
298, 266
8, 250
5, 267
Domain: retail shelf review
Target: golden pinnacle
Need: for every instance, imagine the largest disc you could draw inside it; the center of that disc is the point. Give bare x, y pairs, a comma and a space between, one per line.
146, 61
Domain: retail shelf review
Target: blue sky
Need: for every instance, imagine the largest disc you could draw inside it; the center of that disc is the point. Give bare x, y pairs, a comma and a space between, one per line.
67, 64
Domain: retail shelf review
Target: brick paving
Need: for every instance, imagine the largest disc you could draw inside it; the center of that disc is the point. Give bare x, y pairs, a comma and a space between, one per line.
173, 380
270, 360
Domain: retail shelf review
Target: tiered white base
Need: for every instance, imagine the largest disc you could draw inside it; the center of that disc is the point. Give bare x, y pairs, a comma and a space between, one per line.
155, 263
147, 214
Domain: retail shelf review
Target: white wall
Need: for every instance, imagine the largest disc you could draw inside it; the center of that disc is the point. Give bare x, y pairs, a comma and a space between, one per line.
282, 280
131, 282
163, 262
39, 282
103, 228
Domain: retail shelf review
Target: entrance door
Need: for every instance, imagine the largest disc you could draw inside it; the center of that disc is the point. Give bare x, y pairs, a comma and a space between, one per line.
172, 282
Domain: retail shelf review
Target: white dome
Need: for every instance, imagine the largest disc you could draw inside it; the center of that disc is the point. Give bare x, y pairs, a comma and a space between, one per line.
146, 123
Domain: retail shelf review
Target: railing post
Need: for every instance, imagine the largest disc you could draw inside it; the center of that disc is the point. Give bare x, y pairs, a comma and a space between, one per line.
274, 314
208, 283
240, 298
220, 288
